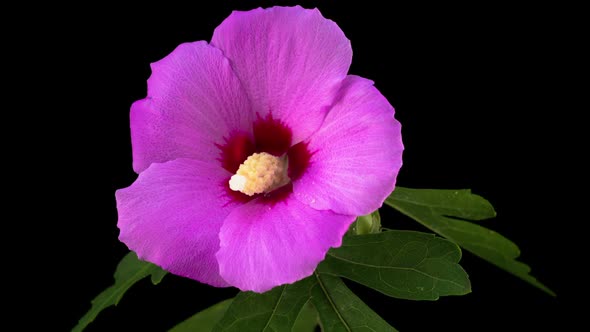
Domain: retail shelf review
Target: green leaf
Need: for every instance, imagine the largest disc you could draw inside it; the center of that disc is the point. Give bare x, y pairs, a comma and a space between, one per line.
275, 310
403, 264
438, 210
341, 310
204, 321
307, 319
157, 275
129, 271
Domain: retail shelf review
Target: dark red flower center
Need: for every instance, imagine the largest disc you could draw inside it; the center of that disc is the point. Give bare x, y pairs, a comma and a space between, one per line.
271, 136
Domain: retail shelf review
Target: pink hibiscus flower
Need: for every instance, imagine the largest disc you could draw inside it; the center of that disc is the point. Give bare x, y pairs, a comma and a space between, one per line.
256, 152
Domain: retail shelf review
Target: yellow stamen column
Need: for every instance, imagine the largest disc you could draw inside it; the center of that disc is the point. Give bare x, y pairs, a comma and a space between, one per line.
260, 173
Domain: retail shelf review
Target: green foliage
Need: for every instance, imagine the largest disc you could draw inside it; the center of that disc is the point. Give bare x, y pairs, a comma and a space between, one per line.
293, 308
439, 210
307, 320
129, 271
275, 310
402, 264
204, 321
341, 310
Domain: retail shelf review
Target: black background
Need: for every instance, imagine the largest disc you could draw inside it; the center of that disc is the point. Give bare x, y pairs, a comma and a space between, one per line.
480, 95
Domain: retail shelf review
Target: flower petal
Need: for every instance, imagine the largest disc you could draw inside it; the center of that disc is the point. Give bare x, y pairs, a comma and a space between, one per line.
290, 60
266, 243
194, 101
171, 216
355, 156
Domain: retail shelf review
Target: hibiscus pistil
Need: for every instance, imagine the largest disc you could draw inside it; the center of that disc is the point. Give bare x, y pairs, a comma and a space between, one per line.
260, 173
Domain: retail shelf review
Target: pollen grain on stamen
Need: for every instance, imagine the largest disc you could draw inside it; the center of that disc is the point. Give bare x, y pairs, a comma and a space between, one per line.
260, 173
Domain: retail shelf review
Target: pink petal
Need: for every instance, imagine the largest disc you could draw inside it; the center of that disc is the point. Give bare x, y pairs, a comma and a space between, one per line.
194, 102
290, 60
171, 216
355, 156
270, 242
